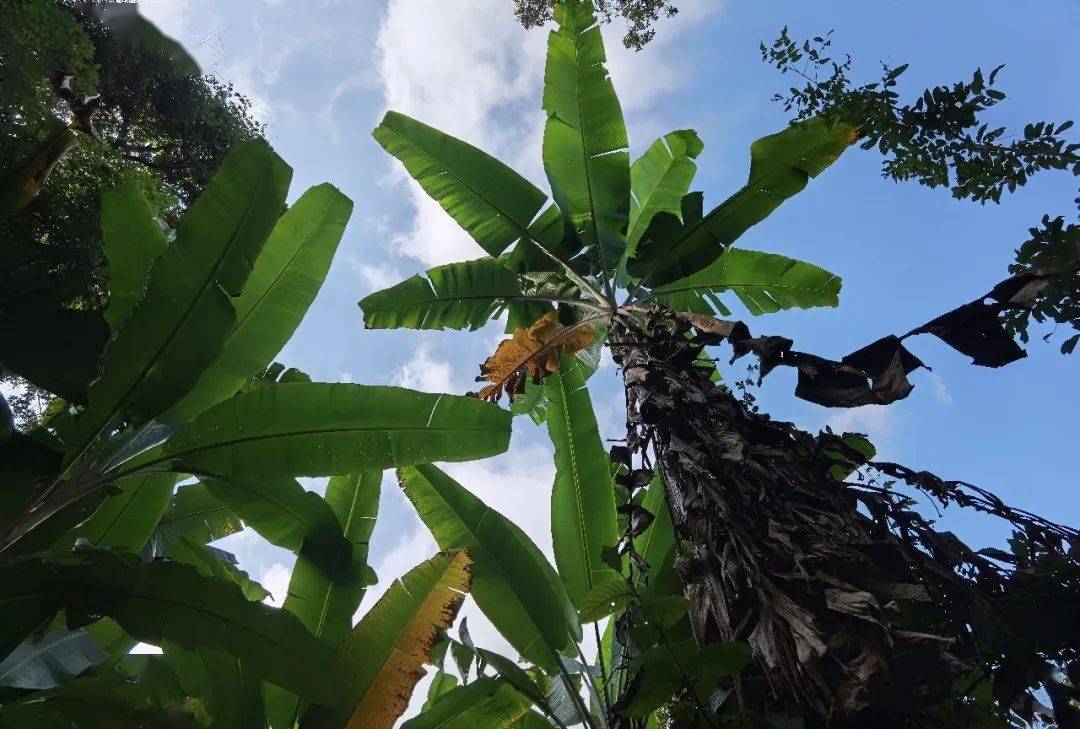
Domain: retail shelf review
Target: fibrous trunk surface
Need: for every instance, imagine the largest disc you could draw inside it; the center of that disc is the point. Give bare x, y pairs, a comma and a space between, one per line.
856, 617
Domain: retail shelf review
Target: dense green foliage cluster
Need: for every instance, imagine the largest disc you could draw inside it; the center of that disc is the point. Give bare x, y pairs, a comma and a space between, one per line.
154, 122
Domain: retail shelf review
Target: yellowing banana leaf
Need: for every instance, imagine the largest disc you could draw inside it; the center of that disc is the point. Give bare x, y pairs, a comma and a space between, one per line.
384, 654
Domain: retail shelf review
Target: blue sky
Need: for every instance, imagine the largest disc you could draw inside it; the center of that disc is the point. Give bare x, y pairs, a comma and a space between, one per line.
324, 71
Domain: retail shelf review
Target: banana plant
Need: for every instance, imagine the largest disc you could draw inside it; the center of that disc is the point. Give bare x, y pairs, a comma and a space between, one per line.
100, 549
614, 240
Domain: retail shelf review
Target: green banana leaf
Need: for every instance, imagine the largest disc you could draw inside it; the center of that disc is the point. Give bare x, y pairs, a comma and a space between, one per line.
328, 581
583, 521
131, 240
513, 583
287, 275
489, 200
196, 514
764, 282
179, 327
659, 672
213, 562
656, 545
585, 143
51, 660
156, 602
781, 165
659, 179
127, 520
455, 296
488, 702
384, 654
108, 701
322, 429
441, 683
229, 687
279, 509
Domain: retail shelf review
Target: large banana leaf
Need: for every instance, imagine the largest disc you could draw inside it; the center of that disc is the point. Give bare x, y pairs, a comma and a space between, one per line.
51, 660
156, 602
585, 143
764, 282
131, 240
288, 274
488, 702
781, 165
126, 520
583, 521
328, 581
229, 687
486, 198
513, 583
178, 328
279, 509
659, 179
321, 429
196, 514
325, 601
384, 654
455, 296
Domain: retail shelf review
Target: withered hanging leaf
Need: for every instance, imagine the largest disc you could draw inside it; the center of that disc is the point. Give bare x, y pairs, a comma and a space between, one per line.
878, 373
532, 352
975, 329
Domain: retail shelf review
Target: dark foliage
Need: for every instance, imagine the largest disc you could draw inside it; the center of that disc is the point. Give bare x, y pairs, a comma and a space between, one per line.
878, 373
943, 139
147, 119
639, 15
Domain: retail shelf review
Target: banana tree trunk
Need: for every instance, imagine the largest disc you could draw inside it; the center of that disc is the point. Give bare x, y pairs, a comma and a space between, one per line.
782, 558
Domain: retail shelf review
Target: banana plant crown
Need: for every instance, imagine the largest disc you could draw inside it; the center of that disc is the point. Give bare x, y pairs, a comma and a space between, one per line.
615, 238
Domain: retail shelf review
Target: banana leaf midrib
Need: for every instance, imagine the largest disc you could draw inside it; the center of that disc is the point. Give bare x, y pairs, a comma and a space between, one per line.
577, 481
300, 249
523, 230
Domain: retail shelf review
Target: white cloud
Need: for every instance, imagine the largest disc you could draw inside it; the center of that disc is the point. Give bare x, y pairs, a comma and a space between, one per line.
427, 374
938, 387
877, 422
276, 581
374, 276
469, 69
